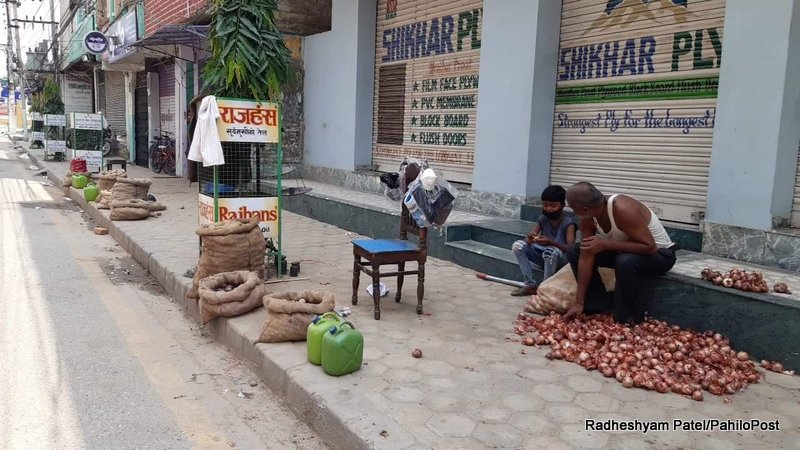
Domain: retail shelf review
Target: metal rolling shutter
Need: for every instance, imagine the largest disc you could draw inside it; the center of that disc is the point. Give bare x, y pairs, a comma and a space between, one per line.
636, 100
115, 101
426, 84
166, 96
796, 203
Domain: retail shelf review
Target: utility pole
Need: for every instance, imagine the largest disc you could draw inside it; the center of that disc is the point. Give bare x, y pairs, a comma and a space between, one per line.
8, 68
54, 42
21, 70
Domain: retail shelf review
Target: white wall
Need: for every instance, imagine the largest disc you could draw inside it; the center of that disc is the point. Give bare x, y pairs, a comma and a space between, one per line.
516, 96
338, 86
756, 134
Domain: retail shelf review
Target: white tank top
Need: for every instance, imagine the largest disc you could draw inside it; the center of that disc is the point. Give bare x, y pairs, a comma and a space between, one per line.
660, 235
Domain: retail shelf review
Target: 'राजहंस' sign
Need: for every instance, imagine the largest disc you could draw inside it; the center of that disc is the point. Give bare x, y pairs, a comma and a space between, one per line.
247, 121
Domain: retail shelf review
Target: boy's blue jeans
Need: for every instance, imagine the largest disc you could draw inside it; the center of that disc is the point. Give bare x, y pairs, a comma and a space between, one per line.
530, 256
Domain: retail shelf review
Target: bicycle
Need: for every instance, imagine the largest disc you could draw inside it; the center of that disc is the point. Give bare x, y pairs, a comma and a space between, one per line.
162, 153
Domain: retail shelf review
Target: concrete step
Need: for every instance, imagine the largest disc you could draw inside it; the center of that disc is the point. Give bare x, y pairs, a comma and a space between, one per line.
486, 258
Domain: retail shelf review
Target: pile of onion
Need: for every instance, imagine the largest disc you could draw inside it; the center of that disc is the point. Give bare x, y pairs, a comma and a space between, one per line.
651, 355
742, 280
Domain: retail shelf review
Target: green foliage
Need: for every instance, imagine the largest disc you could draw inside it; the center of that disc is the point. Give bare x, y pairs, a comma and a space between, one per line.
249, 56
84, 139
49, 100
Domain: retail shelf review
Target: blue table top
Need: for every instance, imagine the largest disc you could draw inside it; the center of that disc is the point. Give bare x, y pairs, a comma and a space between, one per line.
385, 245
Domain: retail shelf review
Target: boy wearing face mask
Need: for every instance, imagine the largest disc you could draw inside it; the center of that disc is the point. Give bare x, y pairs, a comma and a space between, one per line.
547, 244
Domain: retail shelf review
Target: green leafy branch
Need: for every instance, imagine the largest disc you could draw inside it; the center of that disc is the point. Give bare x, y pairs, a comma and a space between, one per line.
249, 58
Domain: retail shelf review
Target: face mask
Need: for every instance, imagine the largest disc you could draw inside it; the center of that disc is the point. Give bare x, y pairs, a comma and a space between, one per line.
552, 214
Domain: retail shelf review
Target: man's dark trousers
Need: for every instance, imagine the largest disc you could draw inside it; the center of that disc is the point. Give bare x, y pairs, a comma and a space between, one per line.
632, 272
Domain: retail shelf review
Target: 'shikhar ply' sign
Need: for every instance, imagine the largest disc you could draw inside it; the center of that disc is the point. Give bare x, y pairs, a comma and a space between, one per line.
247, 121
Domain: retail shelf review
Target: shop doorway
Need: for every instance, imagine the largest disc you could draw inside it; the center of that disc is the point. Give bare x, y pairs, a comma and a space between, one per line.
141, 124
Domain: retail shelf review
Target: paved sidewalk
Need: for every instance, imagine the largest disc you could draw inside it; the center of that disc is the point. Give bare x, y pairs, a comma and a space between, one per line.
473, 387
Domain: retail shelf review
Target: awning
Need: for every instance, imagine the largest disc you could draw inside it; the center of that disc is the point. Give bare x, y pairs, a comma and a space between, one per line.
194, 36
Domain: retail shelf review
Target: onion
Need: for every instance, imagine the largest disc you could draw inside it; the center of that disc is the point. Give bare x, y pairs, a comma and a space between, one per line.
742, 356
608, 372
697, 395
627, 382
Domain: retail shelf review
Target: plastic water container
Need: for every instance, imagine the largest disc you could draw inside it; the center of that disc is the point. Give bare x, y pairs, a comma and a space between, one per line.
415, 211
91, 192
342, 350
316, 331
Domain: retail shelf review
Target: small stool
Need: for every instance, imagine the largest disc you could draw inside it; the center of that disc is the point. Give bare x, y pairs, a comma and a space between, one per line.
119, 161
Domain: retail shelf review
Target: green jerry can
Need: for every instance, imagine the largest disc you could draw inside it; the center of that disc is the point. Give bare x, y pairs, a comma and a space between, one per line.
80, 181
342, 350
91, 192
316, 331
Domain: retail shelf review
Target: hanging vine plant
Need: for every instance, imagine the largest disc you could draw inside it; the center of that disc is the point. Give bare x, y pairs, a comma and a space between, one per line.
249, 58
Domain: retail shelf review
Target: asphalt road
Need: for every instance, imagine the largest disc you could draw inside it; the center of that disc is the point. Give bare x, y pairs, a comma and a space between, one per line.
93, 355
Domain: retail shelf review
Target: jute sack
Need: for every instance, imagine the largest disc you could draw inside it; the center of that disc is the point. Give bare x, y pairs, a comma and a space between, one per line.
128, 188
129, 210
290, 313
103, 200
558, 292
133, 209
228, 246
230, 294
108, 178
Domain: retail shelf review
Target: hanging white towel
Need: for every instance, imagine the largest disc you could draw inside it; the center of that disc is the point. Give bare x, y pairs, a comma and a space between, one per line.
206, 147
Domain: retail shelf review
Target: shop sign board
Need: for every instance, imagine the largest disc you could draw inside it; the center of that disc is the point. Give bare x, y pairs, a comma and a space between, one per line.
94, 159
95, 42
52, 146
55, 120
265, 208
427, 72
77, 95
81, 121
37, 135
635, 103
247, 121
123, 33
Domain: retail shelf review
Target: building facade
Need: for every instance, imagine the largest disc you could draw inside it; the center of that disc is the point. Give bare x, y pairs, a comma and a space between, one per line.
508, 96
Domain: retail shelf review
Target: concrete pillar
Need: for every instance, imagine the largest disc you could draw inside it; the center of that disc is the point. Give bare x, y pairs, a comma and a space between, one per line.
181, 102
130, 127
757, 128
338, 88
516, 97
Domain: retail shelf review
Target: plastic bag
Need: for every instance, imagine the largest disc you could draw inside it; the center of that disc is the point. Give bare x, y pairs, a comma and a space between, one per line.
395, 182
430, 206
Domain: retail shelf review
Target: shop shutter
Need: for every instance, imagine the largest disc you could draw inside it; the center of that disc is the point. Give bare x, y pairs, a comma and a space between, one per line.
166, 94
636, 100
796, 203
115, 101
426, 84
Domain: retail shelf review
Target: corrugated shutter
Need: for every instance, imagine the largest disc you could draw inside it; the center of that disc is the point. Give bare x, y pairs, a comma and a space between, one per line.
796, 203
636, 100
166, 95
115, 101
426, 84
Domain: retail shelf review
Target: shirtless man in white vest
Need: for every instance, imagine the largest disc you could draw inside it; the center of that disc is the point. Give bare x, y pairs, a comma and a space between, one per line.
620, 232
